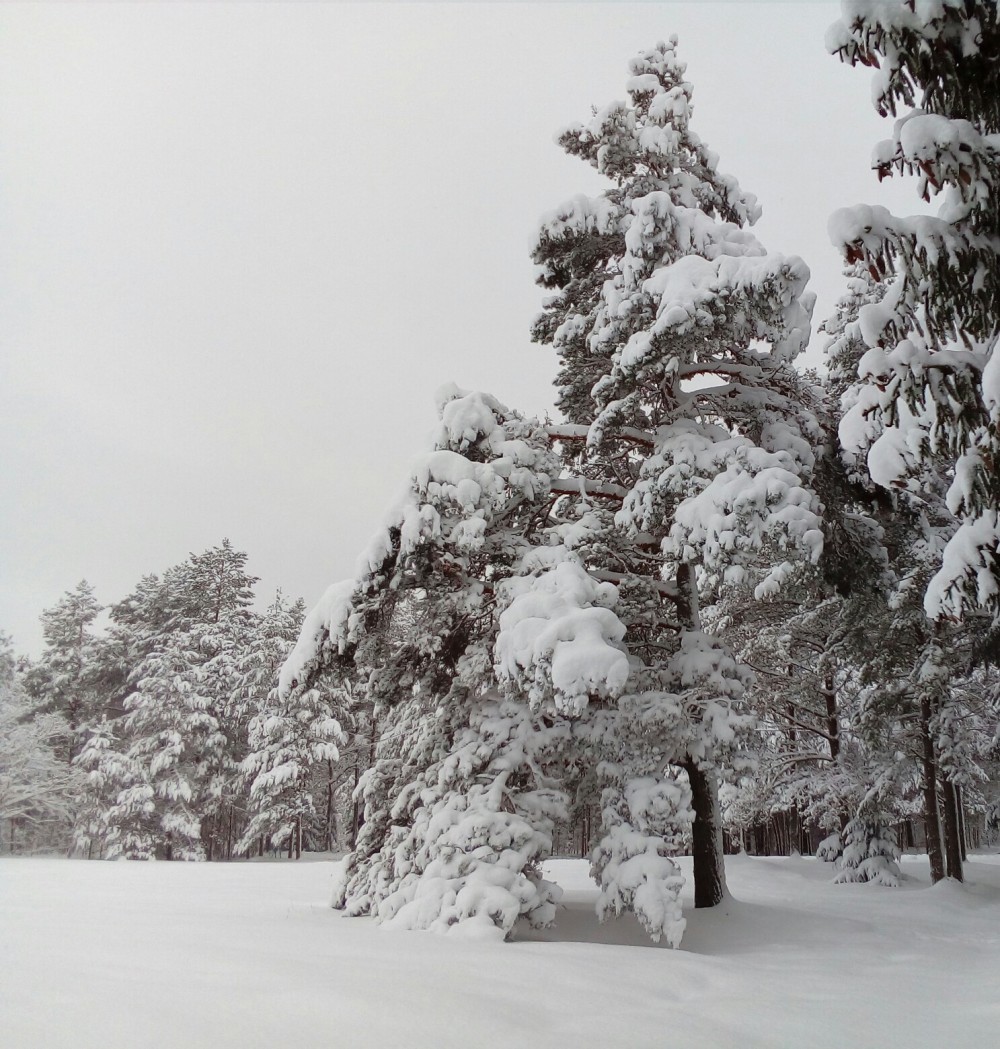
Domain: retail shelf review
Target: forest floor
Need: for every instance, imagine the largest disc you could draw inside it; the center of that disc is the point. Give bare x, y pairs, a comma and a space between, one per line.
216, 955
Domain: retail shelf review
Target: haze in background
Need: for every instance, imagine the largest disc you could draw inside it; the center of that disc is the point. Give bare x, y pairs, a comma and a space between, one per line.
242, 246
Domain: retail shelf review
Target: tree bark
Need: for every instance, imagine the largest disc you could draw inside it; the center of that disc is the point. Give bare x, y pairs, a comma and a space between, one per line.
932, 823
706, 839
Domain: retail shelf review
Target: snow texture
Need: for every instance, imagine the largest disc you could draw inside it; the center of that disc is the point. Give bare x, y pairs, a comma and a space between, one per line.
559, 634
231, 956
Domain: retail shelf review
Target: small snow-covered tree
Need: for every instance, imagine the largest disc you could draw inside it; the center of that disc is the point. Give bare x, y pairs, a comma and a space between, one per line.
869, 853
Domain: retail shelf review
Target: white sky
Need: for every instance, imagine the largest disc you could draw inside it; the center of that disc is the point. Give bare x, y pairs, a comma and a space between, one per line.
242, 246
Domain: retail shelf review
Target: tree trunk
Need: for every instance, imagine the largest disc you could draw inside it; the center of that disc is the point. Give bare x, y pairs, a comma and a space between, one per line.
706, 831
331, 809
706, 839
932, 823
950, 825
832, 720
963, 828
355, 808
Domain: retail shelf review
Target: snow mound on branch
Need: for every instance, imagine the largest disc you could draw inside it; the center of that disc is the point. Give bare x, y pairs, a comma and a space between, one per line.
465, 417
970, 563
744, 495
326, 626
558, 636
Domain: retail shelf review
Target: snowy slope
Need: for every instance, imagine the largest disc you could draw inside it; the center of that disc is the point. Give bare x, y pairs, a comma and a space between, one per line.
136, 955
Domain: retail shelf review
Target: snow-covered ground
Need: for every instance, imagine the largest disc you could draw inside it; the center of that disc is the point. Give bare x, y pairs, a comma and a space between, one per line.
148, 955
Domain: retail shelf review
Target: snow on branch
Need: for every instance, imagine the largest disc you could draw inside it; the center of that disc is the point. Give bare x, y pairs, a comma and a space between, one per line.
559, 637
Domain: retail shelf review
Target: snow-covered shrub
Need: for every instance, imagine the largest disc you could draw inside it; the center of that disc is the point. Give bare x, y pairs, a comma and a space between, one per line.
870, 854
646, 825
830, 849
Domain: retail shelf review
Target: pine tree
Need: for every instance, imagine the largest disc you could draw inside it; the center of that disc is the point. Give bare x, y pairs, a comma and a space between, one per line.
925, 413
676, 333
458, 803
62, 680
164, 770
37, 787
931, 376
289, 735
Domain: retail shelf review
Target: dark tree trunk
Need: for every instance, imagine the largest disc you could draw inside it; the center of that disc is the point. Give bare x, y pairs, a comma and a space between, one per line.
585, 832
706, 839
208, 837
760, 840
932, 822
706, 831
950, 825
355, 806
832, 721
963, 828
331, 808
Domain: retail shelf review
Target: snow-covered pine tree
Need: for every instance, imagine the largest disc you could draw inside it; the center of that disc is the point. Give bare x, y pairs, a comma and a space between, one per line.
290, 734
170, 763
925, 413
931, 376
38, 789
102, 776
62, 680
676, 333
870, 853
460, 799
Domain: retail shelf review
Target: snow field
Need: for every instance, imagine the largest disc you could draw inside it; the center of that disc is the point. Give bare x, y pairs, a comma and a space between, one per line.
158, 955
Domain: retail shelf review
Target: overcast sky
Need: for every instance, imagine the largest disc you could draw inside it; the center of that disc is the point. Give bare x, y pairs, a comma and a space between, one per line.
242, 246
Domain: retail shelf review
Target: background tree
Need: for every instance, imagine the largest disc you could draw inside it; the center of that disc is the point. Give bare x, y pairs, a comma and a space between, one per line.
63, 679
289, 738
37, 786
924, 413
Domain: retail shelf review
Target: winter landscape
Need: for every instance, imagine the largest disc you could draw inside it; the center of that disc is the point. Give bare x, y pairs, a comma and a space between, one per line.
110, 956
667, 713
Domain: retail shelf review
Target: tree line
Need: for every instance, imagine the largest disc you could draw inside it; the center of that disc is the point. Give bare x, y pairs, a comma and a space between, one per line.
161, 734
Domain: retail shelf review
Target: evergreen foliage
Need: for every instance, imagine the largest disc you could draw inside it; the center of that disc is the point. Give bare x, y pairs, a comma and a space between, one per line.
719, 593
